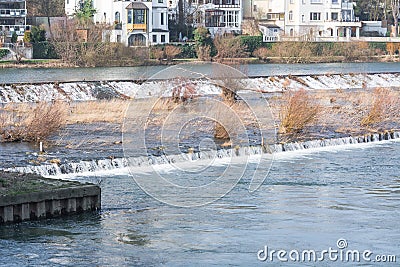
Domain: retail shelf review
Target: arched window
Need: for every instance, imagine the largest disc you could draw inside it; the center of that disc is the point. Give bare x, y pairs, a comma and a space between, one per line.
117, 17
290, 15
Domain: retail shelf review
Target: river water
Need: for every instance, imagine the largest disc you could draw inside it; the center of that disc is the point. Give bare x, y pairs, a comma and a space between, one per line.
309, 201
131, 73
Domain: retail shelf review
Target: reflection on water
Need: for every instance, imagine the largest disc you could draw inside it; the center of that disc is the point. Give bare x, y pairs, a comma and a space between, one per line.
307, 202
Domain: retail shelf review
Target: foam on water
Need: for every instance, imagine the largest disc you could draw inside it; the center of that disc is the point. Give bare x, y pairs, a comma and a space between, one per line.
86, 91
221, 157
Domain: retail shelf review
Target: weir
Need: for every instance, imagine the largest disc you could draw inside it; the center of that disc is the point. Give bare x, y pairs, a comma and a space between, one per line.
49, 170
86, 91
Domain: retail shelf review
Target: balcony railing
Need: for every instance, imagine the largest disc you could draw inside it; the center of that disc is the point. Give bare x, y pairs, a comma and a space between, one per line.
8, 30
12, 13
222, 3
12, 1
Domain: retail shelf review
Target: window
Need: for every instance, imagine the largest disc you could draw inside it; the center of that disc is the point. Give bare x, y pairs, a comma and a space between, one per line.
316, 1
290, 15
303, 19
117, 17
335, 1
334, 16
162, 18
161, 1
130, 11
154, 38
139, 16
231, 18
118, 38
315, 16
163, 38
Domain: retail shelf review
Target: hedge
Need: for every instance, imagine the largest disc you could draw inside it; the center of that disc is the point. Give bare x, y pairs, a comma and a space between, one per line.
4, 52
44, 50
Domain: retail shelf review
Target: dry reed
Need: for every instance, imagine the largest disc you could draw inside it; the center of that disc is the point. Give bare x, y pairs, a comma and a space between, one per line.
298, 111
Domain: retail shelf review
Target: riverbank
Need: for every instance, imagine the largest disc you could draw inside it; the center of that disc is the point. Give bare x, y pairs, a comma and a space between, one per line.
29, 197
60, 64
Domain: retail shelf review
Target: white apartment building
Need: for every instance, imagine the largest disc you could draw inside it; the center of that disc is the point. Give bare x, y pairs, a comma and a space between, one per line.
135, 23
312, 20
316, 19
219, 16
13, 18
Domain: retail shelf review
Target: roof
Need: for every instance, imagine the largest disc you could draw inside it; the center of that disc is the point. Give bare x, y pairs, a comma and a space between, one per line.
137, 5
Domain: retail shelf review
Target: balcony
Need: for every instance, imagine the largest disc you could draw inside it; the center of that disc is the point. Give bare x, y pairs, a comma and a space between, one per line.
18, 29
7, 13
221, 3
136, 27
347, 5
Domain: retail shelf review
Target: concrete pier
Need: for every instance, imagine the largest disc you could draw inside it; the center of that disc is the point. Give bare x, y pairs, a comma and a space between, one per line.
51, 201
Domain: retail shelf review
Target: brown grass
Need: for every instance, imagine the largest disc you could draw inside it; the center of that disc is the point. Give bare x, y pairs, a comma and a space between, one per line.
298, 111
111, 111
385, 106
32, 123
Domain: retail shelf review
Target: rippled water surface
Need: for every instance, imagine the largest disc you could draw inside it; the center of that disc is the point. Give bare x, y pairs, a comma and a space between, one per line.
132, 73
308, 201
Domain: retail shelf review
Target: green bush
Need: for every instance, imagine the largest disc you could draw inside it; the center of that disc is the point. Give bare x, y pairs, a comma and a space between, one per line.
3, 53
38, 34
381, 46
14, 38
44, 50
188, 51
251, 42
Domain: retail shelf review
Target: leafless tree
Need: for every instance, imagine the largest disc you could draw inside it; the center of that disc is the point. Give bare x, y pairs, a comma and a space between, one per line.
395, 6
47, 8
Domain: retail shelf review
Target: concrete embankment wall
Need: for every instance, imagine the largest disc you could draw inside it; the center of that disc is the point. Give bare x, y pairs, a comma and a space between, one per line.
48, 204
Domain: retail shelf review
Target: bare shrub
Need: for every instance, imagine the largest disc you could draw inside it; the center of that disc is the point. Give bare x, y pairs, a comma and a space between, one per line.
171, 51
182, 92
292, 52
229, 47
262, 53
298, 111
203, 53
157, 53
38, 124
385, 106
349, 50
225, 124
220, 132
88, 46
